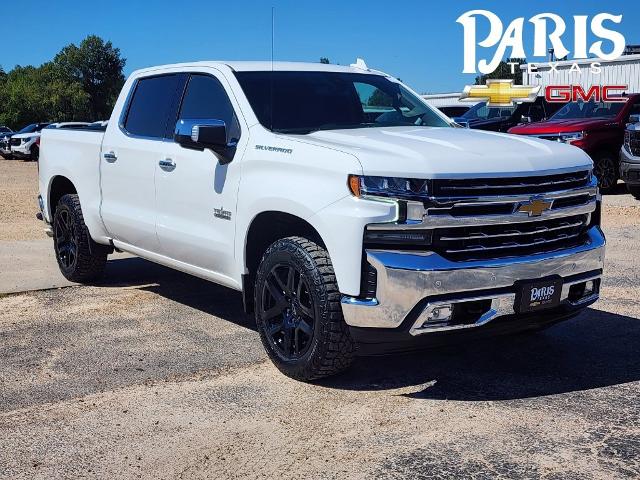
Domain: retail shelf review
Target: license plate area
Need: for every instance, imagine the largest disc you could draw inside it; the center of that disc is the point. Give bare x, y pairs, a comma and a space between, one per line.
538, 295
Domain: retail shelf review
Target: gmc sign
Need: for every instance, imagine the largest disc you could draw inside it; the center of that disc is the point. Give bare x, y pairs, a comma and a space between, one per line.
575, 93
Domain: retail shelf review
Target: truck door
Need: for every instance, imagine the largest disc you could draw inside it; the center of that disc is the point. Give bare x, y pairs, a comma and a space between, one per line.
196, 195
130, 154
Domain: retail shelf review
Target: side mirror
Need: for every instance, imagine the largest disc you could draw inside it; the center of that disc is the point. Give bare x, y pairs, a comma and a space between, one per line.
199, 134
634, 118
526, 119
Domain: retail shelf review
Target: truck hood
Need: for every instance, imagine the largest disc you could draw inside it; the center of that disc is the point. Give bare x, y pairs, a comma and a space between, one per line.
429, 152
561, 126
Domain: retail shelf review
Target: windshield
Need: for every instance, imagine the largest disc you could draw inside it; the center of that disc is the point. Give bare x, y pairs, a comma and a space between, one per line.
480, 111
303, 102
588, 109
29, 128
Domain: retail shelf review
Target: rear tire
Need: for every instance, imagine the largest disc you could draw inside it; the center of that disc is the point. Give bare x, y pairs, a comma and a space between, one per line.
634, 190
80, 258
298, 311
606, 170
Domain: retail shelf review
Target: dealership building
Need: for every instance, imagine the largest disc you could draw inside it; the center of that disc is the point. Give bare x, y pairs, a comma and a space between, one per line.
624, 70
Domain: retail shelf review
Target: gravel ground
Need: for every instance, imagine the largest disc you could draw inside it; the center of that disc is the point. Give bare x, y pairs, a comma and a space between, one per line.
154, 374
19, 201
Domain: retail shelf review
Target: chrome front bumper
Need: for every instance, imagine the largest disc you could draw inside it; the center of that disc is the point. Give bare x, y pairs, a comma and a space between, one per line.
405, 279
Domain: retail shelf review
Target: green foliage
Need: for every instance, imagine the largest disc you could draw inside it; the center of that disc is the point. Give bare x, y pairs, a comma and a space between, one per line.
324, 60
97, 66
380, 99
504, 72
80, 84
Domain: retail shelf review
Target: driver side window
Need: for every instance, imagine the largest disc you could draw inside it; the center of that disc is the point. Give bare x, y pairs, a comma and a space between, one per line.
206, 98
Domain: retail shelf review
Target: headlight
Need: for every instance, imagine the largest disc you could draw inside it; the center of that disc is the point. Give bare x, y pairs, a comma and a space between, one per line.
26, 139
388, 187
627, 140
571, 137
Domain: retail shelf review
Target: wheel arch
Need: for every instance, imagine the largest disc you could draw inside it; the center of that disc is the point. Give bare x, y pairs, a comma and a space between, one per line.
58, 187
265, 228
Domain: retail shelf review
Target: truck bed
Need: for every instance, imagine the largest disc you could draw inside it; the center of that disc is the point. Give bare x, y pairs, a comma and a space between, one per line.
75, 155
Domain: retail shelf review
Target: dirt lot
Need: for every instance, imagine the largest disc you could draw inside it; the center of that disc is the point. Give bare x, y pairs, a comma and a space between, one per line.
19, 201
155, 374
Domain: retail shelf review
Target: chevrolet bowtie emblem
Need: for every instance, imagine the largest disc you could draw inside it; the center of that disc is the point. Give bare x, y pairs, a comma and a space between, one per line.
535, 207
500, 93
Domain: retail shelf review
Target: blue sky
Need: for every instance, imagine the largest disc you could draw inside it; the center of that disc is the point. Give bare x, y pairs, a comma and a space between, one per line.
418, 41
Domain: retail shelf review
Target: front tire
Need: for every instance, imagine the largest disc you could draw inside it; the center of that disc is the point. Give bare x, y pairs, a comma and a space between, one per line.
606, 171
298, 311
34, 155
80, 258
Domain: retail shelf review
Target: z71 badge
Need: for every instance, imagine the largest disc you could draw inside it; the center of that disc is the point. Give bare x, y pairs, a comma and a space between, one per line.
222, 213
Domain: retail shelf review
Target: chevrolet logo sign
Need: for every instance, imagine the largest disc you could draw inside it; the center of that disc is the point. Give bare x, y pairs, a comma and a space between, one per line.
535, 207
500, 93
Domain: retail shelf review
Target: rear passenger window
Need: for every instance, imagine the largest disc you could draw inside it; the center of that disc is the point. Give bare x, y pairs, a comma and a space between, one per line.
206, 98
151, 106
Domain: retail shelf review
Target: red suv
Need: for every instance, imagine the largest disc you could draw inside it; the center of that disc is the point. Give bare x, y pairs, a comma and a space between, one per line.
596, 127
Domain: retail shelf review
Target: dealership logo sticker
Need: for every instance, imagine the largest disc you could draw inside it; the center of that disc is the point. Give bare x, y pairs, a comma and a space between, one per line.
500, 93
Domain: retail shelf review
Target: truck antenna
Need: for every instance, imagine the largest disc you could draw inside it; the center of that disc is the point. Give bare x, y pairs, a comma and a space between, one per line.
273, 21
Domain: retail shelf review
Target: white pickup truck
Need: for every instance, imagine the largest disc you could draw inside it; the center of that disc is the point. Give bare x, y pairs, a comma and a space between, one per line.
353, 217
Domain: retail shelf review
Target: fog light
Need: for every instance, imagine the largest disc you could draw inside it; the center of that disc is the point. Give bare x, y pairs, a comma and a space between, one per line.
440, 313
589, 288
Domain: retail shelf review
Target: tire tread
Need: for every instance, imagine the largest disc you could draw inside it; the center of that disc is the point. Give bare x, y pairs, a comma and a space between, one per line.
92, 257
336, 349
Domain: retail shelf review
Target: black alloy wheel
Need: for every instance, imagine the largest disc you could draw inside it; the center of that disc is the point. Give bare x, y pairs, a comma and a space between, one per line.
298, 310
80, 258
66, 240
287, 308
606, 171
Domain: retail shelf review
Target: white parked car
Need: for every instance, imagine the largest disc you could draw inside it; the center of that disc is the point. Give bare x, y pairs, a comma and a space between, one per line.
26, 143
23, 143
5, 137
352, 215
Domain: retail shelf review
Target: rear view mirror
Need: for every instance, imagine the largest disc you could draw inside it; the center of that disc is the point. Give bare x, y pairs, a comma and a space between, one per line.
199, 134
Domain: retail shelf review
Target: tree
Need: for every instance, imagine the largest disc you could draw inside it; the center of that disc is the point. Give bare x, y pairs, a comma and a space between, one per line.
97, 66
504, 72
324, 60
39, 94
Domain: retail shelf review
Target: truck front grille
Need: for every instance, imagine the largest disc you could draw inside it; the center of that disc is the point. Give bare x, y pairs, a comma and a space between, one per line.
633, 144
484, 187
15, 142
506, 240
468, 220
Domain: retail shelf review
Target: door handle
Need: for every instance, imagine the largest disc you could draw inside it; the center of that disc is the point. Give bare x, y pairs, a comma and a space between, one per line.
110, 157
167, 164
